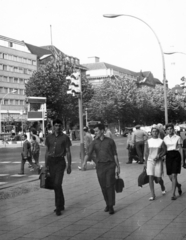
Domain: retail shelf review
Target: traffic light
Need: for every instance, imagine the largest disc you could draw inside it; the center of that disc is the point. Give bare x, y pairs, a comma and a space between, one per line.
74, 86
45, 115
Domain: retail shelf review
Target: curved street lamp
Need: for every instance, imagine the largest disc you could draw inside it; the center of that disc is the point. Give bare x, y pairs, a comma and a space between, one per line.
162, 55
1, 102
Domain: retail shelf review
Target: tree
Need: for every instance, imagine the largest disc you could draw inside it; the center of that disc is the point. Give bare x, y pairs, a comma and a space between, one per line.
50, 82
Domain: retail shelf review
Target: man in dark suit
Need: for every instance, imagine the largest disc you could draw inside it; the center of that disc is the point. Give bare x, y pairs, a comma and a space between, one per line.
26, 155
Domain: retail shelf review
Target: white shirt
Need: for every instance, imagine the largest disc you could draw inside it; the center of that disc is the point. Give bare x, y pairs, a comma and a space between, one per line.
172, 142
154, 144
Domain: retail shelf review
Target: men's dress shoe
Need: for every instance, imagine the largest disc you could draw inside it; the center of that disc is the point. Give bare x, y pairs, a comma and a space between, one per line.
58, 213
20, 173
61, 209
106, 209
128, 162
140, 162
111, 210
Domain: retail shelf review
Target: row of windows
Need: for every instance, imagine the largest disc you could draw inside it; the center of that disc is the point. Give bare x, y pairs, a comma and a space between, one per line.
16, 69
13, 79
13, 102
17, 58
9, 90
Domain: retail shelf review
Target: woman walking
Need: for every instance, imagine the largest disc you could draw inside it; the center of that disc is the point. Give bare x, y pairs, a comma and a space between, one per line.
155, 149
173, 158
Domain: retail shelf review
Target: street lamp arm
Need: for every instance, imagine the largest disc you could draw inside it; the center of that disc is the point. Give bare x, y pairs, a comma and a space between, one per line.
162, 55
169, 53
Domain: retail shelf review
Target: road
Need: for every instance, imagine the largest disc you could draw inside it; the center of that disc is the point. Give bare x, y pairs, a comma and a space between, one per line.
10, 161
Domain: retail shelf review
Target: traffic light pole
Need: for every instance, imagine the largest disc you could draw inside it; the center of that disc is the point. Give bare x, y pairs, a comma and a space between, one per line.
80, 101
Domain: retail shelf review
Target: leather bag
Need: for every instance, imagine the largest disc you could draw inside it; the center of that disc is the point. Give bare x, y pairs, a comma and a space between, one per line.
143, 178
45, 179
119, 184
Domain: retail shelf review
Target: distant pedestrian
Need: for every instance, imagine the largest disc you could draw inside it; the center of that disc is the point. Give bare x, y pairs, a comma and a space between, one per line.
173, 158
155, 149
139, 138
107, 165
130, 146
35, 150
87, 142
108, 132
57, 147
26, 155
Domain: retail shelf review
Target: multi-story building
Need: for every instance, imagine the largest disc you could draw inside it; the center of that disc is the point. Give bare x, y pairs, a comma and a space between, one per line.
98, 71
16, 66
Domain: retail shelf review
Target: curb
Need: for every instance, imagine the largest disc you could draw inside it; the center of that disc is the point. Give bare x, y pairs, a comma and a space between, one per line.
11, 185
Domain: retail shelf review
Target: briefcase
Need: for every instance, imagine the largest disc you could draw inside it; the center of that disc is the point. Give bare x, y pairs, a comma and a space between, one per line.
119, 184
143, 178
45, 179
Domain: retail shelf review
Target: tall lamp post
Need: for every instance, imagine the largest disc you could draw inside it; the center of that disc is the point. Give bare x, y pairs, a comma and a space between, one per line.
162, 54
1, 103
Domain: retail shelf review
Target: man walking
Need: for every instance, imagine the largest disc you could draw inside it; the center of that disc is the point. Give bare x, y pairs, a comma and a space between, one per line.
57, 147
26, 155
139, 138
107, 165
87, 141
108, 132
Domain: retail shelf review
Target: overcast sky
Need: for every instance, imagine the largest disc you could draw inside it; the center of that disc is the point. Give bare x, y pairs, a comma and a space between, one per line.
79, 30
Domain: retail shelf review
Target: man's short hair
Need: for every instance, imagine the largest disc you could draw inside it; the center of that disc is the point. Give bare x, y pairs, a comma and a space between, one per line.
34, 131
100, 126
85, 129
169, 125
25, 136
58, 121
138, 126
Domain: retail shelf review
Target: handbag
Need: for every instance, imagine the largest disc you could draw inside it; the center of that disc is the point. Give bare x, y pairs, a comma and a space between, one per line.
143, 178
119, 184
45, 179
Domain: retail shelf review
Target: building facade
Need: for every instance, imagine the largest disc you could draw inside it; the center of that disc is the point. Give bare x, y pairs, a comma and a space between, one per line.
16, 66
98, 71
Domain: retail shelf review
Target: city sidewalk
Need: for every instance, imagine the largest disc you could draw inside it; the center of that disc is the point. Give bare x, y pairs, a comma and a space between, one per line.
30, 216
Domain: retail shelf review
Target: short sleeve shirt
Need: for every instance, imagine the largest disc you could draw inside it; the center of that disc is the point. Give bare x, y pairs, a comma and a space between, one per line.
57, 145
105, 149
172, 142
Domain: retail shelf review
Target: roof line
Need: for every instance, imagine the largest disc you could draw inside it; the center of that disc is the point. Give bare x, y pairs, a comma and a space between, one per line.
12, 40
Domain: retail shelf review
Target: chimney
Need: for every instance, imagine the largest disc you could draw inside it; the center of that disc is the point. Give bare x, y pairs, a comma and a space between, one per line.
93, 59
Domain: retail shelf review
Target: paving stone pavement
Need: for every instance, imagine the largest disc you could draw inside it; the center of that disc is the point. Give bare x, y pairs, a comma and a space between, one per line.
30, 216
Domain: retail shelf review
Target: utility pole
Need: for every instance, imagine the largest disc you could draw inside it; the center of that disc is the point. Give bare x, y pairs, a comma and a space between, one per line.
80, 102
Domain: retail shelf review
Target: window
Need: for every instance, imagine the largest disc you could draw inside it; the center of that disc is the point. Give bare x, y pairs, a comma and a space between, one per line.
1, 78
11, 79
21, 102
18, 59
16, 69
11, 101
29, 61
24, 60
5, 90
5, 79
10, 57
34, 63
21, 70
5, 56
5, 101
15, 80
10, 44
21, 81
21, 91
14, 58
5, 67
1, 89
26, 81
1, 67
16, 102
1, 55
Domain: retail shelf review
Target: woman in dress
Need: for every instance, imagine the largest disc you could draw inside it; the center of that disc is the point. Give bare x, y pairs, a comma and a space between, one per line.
173, 158
155, 149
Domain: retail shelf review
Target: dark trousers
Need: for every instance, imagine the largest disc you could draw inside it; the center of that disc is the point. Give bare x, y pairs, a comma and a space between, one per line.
36, 157
140, 150
106, 178
29, 159
56, 168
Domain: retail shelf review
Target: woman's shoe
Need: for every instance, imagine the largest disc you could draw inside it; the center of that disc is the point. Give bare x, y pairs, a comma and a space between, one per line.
163, 192
173, 198
184, 165
152, 198
179, 190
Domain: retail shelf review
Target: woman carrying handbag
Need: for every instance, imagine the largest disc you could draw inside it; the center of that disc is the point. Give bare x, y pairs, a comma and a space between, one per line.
155, 149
